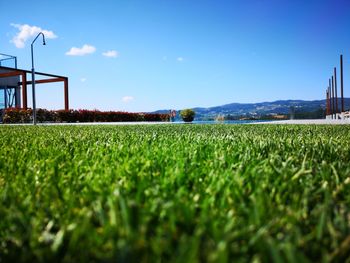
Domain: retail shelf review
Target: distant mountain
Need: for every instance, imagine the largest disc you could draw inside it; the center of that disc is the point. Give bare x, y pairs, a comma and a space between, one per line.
261, 109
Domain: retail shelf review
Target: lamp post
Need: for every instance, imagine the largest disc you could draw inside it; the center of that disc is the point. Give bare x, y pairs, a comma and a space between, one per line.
33, 76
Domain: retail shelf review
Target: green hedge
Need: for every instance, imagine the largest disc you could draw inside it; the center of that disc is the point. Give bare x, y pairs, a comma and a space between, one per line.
13, 115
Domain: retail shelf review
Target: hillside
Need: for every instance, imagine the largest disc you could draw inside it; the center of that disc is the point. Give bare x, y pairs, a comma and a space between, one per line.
261, 109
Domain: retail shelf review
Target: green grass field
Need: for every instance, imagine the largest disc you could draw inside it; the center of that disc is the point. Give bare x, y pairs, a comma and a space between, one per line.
175, 193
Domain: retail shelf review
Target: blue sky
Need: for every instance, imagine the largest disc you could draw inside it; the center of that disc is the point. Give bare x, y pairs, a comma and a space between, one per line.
147, 55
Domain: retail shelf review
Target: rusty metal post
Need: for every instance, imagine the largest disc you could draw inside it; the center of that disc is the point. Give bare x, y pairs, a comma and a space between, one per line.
336, 93
24, 90
327, 101
333, 100
330, 98
341, 84
66, 102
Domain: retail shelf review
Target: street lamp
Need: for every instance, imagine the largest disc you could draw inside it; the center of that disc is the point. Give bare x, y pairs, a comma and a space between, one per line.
33, 76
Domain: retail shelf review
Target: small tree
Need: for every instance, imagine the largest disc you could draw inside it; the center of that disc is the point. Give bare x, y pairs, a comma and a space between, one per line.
187, 115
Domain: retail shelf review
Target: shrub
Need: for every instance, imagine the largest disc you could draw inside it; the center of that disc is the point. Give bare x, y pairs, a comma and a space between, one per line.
15, 115
187, 115
156, 117
43, 115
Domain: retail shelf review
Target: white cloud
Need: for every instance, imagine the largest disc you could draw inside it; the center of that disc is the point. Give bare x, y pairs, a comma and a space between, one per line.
111, 54
83, 79
127, 99
26, 32
180, 59
84, 50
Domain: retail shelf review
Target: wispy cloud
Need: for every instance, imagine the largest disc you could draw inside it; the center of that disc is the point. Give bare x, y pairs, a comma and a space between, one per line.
26, 32
84, 50
180, 59
127, 99
111, 54
83, 79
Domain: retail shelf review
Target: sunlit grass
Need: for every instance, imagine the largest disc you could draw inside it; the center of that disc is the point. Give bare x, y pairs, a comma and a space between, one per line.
176, 193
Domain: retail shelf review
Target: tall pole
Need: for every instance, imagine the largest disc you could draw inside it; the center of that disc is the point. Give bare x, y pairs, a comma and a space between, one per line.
33, 86
335, 88
327, 102
341, 84
330, 97
24, 90
33, 76
333, 101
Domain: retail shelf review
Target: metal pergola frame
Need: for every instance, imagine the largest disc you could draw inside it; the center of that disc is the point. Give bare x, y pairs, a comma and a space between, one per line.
23, 74
8, 57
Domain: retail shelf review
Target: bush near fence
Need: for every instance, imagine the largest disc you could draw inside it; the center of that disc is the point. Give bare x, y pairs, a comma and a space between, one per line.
14, 115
